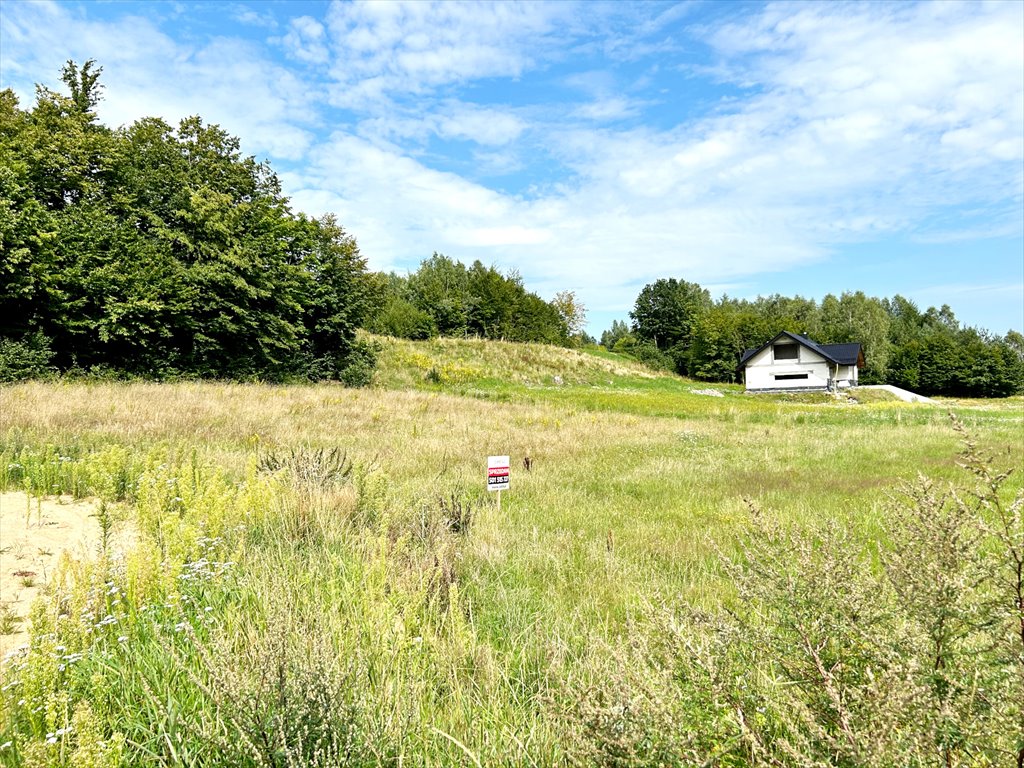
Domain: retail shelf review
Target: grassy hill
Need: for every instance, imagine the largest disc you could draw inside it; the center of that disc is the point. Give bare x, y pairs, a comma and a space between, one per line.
488, 363
366, 553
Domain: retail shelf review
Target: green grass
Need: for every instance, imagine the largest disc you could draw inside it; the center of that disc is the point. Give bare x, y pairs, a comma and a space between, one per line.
455, 639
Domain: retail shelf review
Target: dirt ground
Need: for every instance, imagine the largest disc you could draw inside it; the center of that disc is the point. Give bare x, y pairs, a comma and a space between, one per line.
34, 533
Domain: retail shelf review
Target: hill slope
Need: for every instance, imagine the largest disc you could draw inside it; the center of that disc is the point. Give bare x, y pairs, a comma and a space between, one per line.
406, 363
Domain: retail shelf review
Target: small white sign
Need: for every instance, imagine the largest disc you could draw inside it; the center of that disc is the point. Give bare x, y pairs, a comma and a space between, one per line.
497, 473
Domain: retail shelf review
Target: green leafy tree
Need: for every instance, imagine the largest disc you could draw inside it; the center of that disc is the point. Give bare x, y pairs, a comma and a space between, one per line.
538, 321
573, 313
905, 366
440, 287
493, 301
399, 317
83, 83
932, 354
905, 319
158, 251
337, 297
716, 345
1014, 341
26, 227
610, 338
720, 336
444, 296
666, 313
988, 367
784, 313
937, 360
390, 311
854, 317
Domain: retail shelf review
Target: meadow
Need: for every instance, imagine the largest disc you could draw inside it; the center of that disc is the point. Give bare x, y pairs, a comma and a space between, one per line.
321, 578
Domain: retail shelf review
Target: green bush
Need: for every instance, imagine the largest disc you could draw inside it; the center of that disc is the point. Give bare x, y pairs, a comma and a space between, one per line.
25, 358
402, 319
651, 356
362, 362
645, 352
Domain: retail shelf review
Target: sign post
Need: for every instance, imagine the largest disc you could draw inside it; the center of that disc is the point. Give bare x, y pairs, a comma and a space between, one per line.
498, 475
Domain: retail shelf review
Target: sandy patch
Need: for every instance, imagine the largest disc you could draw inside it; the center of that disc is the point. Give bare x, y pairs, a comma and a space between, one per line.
34, 533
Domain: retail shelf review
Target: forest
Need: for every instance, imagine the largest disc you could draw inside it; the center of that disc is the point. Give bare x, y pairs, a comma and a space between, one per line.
162, 252
677, 326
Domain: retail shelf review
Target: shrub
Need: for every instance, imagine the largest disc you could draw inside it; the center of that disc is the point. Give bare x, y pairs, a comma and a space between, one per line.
403, 319
362, 362
318, 468
25, 358
650, 355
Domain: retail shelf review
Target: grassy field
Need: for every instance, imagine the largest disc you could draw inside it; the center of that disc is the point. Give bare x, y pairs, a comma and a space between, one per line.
343, 540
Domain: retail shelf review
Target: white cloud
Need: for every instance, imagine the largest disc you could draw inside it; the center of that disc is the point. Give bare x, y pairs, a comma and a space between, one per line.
147, 73
866, 74
403, 210
608, 109
37, 38
306, 40
491, 127
499, 163
489, 237
853, 132
852, 118
456, 120
246, 15
415, 46
608, 98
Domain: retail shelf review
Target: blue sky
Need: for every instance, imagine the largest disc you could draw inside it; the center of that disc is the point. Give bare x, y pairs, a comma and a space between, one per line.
753, 148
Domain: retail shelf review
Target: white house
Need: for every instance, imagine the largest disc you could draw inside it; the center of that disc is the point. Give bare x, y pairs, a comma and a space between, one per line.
794, 362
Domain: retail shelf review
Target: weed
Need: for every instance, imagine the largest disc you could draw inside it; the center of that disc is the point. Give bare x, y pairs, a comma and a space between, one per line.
282, 697
309, 468
9, 620
371, 496
456, 512
103, 517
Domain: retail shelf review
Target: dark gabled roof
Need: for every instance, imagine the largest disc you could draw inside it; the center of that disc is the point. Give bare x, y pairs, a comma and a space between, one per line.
844, 354
841, 354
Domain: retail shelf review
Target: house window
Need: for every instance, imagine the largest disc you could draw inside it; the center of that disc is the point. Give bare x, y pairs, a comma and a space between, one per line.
790, 376
786, 351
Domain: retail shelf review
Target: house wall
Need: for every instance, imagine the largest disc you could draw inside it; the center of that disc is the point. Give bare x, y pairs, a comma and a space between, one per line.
762, 370
847, 376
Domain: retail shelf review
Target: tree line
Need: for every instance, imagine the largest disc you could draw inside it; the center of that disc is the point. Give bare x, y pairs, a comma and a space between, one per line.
677, 326
444, 297
158, 250
161, 251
